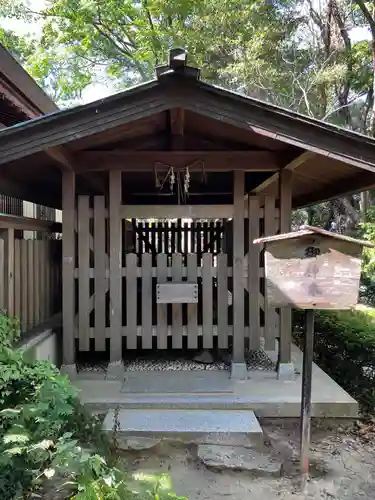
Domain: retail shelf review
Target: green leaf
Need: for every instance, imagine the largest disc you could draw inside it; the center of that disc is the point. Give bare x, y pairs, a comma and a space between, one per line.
16, 438
17, 450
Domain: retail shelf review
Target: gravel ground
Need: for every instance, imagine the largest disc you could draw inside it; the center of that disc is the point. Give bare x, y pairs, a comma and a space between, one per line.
342, 468
172, 361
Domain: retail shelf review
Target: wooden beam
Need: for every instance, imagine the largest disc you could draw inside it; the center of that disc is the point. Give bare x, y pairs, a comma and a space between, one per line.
293, 165
285, 190
180, 211
238, 269
210, 161
68, 265
29, 224
115, 266
176, 125
177, 121
176, 211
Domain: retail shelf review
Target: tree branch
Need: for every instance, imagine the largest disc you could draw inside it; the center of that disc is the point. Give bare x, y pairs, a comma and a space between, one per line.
367, 14
154, 35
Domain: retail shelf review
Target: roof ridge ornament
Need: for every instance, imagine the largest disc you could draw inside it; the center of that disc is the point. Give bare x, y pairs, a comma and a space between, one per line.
177, 64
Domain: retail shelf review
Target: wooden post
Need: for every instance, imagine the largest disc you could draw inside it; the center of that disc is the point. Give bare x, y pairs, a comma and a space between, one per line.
271, 318
83, 272
115, 278
68, 265
238, 361
253, 273
285, 368
308, 352
8, 237
99, 271
2, 297
30, 283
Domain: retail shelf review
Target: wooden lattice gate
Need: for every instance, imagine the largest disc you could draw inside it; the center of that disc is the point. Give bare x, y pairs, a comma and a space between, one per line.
173, 250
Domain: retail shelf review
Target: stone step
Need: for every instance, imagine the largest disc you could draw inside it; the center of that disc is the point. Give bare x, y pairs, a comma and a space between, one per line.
240, 458
224, 427
105, 402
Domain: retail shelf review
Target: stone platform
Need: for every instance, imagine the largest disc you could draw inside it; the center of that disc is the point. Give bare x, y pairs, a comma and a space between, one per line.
262, 392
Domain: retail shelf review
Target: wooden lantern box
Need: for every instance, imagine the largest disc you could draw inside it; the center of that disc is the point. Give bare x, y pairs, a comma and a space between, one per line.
312, 269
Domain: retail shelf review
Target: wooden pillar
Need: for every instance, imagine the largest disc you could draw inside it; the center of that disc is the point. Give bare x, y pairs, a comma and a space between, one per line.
115, 288
238, 276
2, 287
285, 191
8, 237
68, 265
253, 273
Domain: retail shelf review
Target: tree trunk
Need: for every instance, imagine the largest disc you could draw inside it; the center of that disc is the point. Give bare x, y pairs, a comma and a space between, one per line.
364, 204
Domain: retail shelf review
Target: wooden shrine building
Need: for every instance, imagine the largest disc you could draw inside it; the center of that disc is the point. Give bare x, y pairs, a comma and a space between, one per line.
163, 188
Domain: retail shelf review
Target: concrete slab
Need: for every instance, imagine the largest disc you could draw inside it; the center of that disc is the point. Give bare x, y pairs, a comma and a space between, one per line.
178, 382
186, 423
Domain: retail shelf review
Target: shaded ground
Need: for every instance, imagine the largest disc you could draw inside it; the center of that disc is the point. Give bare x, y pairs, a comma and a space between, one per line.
343, 467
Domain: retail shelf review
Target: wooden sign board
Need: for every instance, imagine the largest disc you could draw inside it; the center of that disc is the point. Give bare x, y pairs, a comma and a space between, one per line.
312, 269
181, 292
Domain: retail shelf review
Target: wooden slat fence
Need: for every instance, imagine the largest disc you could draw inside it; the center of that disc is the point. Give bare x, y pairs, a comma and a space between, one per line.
181, 236
171, 250
11, 206
36, 275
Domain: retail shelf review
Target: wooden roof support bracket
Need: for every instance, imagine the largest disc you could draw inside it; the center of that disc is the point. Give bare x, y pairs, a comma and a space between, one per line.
67, 163
293, 165
62, 157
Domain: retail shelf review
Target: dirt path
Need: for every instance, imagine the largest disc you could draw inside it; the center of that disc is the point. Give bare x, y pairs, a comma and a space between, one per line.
343, 467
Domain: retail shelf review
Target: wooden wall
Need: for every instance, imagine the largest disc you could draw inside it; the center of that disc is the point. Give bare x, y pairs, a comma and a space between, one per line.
30, 278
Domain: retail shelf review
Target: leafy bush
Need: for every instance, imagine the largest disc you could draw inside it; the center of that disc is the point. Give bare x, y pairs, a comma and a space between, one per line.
367, 232
43, 430
345, 348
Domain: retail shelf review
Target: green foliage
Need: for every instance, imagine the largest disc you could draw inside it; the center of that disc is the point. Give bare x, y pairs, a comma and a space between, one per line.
238, 44
366, 231
43, 431
295, 53
345, 348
